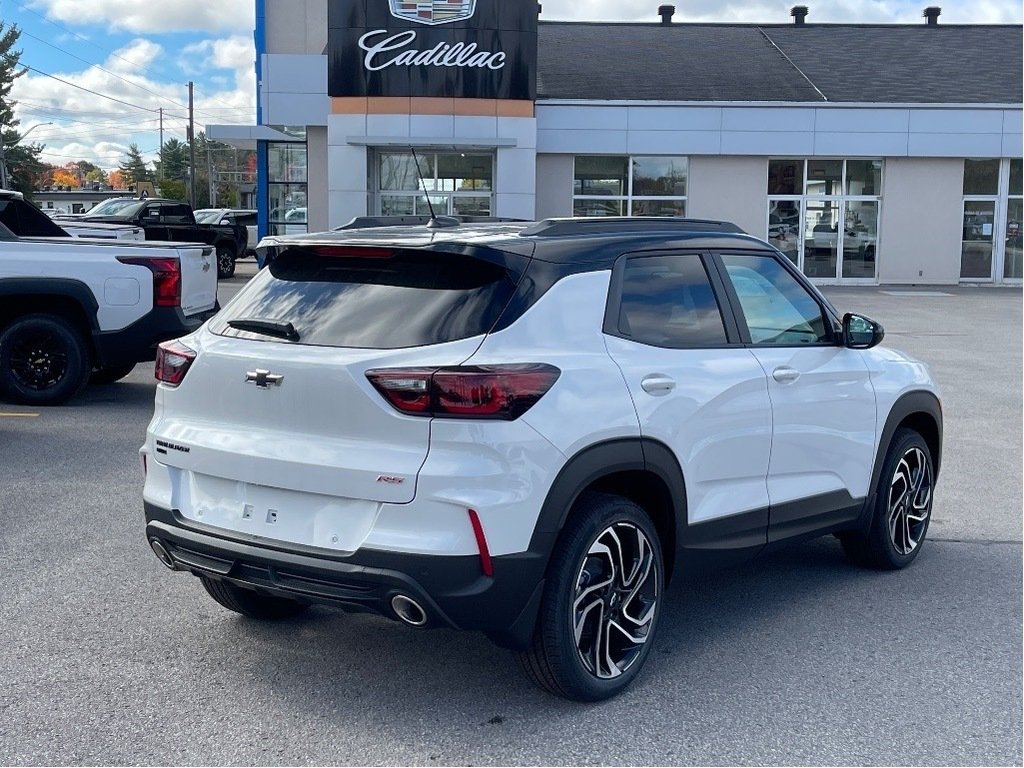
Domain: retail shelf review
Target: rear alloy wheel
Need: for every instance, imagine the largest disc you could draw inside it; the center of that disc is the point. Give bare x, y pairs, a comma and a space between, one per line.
250, 603
43, 360
601, 603
903, 507
225, 263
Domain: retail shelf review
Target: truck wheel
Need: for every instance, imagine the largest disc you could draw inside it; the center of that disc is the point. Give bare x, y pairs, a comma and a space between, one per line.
111, 374
225, 262
43, 360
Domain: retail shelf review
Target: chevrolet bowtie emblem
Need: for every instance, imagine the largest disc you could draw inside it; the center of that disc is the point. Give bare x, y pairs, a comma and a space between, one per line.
263, 378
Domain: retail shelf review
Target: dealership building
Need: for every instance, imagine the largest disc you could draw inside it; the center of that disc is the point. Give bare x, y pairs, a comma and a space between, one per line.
867, 153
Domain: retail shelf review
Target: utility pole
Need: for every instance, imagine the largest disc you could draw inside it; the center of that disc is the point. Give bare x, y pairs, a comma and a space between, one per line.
209, 172
161, 130
3, 160
191, 145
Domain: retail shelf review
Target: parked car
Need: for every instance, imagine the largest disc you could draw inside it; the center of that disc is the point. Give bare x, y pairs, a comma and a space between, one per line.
243, 216
529, 430
172, 220
74, 310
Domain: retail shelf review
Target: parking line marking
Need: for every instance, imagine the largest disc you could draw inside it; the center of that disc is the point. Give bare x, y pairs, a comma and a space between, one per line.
18, 415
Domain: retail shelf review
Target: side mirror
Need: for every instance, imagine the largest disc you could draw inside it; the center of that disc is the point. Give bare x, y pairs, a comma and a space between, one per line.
860, 332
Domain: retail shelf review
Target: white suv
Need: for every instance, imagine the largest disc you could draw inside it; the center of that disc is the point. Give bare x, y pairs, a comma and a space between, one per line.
528, 430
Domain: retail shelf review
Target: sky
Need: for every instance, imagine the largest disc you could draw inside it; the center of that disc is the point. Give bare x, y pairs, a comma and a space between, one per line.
102, 69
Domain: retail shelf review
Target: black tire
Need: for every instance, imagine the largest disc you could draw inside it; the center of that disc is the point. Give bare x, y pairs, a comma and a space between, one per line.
111, 374
251, 603
225, 262
555, 660
904, 494
43, 360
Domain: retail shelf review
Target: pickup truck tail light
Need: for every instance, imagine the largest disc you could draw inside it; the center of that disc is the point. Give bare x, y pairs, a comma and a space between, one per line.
173, 359
503, 392
166, 278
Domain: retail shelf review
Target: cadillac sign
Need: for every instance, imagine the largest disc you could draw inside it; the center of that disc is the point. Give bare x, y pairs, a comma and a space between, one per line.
485, 49
433, 11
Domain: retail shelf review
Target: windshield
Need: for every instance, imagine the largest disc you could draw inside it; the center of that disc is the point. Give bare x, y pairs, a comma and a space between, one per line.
118, 206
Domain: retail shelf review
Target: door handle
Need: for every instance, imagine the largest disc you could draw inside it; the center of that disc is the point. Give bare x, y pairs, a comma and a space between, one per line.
785, 375
658, 384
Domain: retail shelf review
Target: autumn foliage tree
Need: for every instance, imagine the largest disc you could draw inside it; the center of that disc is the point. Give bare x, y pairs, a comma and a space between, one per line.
62, 177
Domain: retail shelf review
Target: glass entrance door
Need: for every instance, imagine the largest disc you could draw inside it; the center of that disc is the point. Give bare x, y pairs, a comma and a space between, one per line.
457, 183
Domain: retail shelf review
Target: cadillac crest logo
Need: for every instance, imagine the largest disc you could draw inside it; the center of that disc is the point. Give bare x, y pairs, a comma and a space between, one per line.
433, 11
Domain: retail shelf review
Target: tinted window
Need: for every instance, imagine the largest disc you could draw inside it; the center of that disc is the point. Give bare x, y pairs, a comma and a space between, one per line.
411, 299
246, 219
25, 220
667, 301
175, 214
777, 308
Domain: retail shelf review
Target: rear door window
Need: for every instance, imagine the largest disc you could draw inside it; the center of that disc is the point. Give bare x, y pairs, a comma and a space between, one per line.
402, 299
668, 301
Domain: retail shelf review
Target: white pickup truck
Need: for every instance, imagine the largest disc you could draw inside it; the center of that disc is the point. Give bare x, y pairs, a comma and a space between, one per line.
75, 309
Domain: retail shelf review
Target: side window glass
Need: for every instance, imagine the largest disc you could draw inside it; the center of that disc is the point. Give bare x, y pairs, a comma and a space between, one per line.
151, 213
175, 214
777, 308
667, 301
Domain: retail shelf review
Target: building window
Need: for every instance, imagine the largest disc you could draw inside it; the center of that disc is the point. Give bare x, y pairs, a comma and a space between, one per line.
992, 204
456, 183
629, 186
810, 202
287, 187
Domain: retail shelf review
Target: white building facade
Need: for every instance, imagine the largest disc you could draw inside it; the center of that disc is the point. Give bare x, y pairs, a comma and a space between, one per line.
854, 184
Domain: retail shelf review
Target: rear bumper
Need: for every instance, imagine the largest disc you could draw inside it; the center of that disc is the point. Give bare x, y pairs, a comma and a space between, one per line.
452, 589
138, 342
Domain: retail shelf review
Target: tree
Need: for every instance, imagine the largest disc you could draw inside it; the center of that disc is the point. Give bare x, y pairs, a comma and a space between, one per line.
134, 168
173, 160
22, 164
96, 176
65, 178
116, 179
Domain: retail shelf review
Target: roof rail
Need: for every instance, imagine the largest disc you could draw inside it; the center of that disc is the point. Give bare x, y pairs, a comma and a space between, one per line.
366, 222
614, 225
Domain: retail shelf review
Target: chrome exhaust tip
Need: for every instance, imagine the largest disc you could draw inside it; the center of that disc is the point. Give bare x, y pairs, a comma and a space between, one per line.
162, 554
409, 611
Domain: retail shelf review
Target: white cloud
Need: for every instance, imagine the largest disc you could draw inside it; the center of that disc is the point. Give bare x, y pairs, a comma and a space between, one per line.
136, 16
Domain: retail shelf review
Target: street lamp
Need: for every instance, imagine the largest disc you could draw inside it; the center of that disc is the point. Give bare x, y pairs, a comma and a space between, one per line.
3, 161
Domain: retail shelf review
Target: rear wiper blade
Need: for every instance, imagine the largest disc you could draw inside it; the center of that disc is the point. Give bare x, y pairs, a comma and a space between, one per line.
266, 327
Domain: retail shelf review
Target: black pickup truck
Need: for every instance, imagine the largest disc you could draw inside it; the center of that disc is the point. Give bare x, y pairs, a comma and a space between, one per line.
173, 220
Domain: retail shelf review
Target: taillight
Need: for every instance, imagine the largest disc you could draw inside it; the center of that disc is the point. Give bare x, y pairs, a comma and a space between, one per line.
479, 392
166, 278
173, 360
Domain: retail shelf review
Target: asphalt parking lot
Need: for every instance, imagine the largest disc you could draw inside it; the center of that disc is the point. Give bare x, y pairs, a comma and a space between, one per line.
797, 659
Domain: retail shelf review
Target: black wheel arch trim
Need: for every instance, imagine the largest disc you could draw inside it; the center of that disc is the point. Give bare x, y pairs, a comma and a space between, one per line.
76, 290
919, 402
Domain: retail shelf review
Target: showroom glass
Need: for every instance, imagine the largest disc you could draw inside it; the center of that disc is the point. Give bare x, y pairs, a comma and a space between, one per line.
860, 238
1014, 222
458, 183
667, 301
981, 177
809, 202
630, 186
287, 187
991, 244
777, 309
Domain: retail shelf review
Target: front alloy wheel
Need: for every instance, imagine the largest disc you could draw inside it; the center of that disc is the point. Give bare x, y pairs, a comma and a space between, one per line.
903, 507
910, 501
615, 600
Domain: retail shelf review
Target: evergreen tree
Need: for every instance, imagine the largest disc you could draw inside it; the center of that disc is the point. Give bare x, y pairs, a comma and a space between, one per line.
173, 160
23, 167
133, 168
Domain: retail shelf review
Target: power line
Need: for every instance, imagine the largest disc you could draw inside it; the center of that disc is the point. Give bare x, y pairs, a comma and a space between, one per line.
87, 90
103, 69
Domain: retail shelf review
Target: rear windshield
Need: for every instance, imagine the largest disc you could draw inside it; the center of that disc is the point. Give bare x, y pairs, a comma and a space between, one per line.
410, 299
